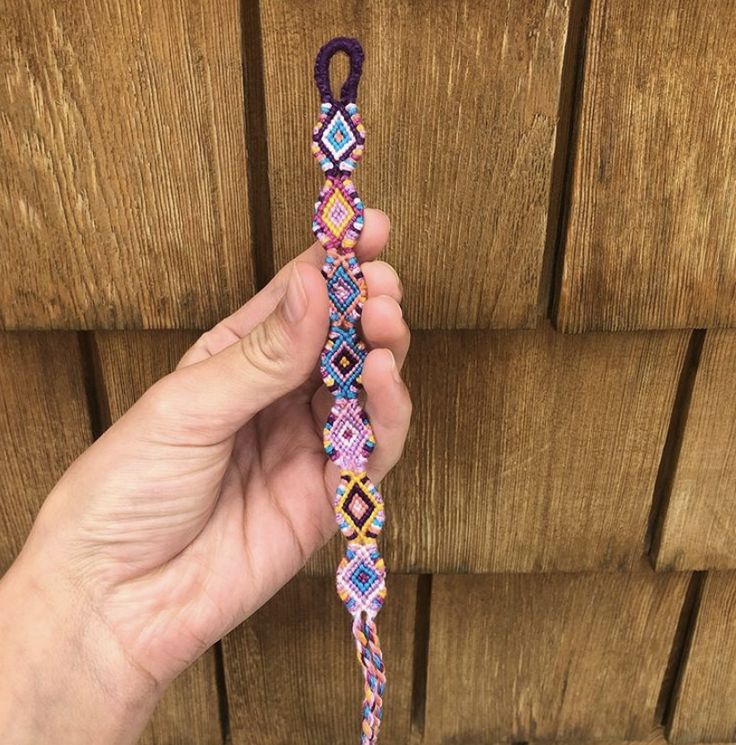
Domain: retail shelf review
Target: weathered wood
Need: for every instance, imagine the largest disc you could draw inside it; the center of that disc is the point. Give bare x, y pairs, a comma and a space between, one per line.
699, 525
655, 737
130, 362
460, 102
704, 709
548, 657
44, 425
651, 238
529, 451
123, 198
291, 670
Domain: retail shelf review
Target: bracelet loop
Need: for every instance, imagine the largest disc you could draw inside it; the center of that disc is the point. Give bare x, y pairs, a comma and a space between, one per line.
352, 48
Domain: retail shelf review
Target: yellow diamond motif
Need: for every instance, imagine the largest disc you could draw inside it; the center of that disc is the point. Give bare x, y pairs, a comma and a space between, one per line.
338, 213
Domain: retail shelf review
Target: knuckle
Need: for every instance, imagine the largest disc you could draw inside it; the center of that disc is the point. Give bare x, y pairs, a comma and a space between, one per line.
159, 401
205, 342
266, 348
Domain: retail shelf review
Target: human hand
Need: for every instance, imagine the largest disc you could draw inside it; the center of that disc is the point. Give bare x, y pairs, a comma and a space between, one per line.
213, 489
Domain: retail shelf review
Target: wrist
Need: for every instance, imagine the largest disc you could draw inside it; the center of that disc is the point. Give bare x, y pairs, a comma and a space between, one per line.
65, 676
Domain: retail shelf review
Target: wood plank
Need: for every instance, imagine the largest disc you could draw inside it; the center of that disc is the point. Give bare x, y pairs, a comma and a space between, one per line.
548, 657
704, 708
123, 199
529, 451
655, 737
699, 523
459, 151
130, 362
291, 670
651, 238
44, 425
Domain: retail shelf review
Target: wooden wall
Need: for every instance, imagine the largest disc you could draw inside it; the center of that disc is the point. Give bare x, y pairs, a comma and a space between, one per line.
561, 535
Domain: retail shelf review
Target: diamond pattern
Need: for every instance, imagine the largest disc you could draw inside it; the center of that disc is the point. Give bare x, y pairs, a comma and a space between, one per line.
361, 579
358, 507
348, 435
346, 289
364, 577
338, 214
342, 362
338, 138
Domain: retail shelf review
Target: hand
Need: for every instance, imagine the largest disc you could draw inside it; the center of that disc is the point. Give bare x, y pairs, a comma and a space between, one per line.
213, 489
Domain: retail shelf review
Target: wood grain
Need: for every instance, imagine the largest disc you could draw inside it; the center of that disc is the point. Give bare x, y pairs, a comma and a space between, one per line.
460, 102
123, 199
291, 670
704, 709
651, 238
130, 362
655, 737
44, 425
699, 525
529, 451
546, 657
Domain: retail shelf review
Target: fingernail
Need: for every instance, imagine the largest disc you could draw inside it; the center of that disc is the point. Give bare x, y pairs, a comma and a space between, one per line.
295, 299
394, 369
396, 274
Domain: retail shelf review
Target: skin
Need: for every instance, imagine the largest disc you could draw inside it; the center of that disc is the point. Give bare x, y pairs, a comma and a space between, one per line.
192, 510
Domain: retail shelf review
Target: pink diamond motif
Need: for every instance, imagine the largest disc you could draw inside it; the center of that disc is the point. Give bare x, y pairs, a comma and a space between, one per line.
348, 436
357, 506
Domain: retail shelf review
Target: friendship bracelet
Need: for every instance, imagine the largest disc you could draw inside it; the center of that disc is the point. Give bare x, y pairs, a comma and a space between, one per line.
337, 144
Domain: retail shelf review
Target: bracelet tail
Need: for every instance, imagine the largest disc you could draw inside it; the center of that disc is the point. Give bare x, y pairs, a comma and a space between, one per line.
371, 658
361, 583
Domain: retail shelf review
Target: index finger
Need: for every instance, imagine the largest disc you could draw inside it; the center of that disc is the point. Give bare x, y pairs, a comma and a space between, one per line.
371, 242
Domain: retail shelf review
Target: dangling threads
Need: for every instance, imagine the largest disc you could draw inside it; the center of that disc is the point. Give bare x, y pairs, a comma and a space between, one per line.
337, 144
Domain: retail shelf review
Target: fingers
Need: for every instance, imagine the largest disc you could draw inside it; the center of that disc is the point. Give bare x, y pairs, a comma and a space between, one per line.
382, 327
372, 241
389, 408
213, 398
381, 279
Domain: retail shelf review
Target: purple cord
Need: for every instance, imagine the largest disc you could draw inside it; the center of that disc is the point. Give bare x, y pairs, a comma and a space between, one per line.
352, 48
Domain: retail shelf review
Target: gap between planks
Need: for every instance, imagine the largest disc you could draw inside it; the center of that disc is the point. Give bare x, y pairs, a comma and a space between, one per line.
566, 140
679, 652
673, 443
564, 153
257, 171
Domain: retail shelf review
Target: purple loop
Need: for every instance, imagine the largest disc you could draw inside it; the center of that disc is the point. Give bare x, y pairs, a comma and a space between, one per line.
352, 48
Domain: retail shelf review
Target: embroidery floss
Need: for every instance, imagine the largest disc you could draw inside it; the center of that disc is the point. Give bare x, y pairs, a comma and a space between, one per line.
337, 144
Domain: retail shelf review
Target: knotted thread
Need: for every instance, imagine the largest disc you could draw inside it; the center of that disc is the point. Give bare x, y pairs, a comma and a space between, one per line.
337, 144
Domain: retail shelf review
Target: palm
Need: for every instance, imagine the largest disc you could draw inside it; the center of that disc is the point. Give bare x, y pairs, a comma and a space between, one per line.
241, 517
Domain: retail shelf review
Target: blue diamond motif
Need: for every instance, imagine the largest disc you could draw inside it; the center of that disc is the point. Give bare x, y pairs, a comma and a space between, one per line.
363, 577
337, 137
343, 289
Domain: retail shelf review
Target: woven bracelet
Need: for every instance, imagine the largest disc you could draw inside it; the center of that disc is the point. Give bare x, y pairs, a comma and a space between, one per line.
337, 144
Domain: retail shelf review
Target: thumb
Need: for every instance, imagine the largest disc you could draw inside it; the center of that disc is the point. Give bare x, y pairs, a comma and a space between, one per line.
219, 395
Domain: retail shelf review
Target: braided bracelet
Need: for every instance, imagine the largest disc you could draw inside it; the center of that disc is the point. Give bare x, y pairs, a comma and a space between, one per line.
337, 144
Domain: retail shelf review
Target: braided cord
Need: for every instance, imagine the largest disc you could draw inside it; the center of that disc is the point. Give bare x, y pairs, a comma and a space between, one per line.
337, 144
371, 657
